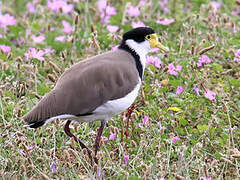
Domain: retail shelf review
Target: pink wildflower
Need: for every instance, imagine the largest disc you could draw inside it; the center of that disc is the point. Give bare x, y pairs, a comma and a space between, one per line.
138, 24
60, 38
112, 135
38, 39
133, 11
196, 90
66, 27
31, 7
54, 167
165, 21
141, 3
210, 95
102, 4
237, 56
112, 29
125, 159
145, 120
215, 5
204, 59
159, 124
154, 61
110, 11
179, 90
104, 138
6, 20
56, 5
5, 48
33, 53
206, 178
173, 70
178, 68
48, 51
175, 139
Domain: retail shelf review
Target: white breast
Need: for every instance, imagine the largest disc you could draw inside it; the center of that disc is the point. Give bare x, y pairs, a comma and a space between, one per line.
117, 106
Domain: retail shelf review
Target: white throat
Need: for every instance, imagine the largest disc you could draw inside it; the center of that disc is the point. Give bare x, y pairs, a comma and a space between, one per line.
142, 49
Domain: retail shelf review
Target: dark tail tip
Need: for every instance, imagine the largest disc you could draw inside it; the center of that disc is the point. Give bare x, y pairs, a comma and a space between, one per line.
36, 124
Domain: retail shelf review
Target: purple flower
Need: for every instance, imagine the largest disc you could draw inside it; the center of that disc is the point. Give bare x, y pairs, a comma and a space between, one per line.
21, 152
31, 7
54, 167
112, 29
112, 135
175, 139
196, 90
210, 95
87, 179
141, 3
237, 56
178, 68
110, 11
60, 38
204, 59
215, 5
125, 159
104, 138
154, 61
56, 5
48, 51
133, 11
38, 39
145, 120
138, 24
206, 178
33, 53
5, 48
159, 124
173, 70
6, 20
102, 4
166, 21
66, 27
179, 90
21, 40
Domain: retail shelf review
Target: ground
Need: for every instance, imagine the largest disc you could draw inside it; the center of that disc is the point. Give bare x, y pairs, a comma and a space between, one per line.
185, 124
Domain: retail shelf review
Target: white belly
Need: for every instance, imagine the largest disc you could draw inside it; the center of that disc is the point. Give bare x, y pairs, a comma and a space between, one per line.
107, 110
119, 105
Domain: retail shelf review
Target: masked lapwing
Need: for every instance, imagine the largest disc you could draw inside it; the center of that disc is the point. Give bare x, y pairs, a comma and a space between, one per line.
99, 87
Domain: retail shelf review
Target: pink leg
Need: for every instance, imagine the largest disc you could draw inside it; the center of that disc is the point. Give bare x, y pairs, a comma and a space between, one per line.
68, 132
98, 138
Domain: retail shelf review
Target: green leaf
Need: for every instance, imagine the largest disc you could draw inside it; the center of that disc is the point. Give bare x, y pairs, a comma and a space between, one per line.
218, 155
183, 122
202, 127
235, 82
41, 89
134, 178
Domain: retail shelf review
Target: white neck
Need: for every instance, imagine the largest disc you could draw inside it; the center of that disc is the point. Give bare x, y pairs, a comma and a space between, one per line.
142, 49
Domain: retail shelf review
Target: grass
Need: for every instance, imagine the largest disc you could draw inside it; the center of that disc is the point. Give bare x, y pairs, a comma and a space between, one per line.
208, 130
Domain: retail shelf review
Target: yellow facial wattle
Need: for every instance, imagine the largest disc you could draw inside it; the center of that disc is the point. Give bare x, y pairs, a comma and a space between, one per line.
154, 43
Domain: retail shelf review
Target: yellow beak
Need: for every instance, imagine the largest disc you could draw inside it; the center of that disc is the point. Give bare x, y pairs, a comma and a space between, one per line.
154, 43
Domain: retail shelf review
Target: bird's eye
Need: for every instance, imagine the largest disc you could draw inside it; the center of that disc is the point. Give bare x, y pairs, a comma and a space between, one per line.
148, 36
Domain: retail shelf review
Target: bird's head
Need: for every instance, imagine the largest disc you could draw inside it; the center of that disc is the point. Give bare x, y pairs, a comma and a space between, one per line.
142, 38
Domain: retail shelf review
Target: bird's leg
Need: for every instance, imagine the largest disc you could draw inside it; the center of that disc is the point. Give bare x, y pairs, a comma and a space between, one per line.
68, 132
98, 138
128, 114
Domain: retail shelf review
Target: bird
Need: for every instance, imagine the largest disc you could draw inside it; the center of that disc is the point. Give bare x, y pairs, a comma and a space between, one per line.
99, 87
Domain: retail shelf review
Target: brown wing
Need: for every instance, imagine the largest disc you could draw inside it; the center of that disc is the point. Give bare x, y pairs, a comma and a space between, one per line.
87, 85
